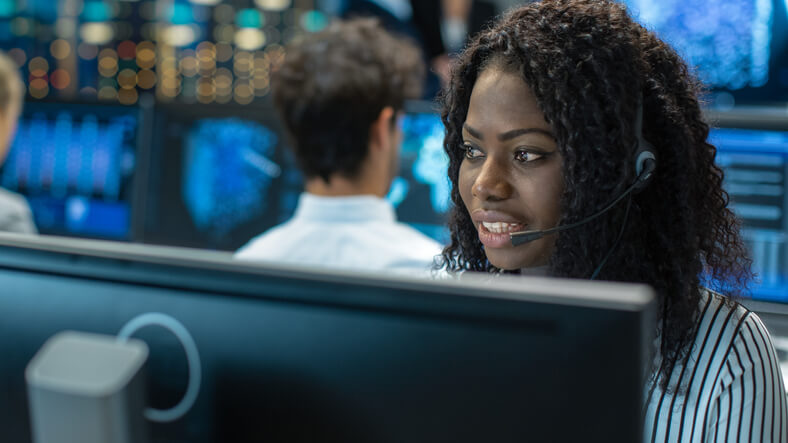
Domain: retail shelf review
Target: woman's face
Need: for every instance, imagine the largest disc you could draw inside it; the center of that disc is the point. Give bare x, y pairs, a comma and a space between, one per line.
510, 177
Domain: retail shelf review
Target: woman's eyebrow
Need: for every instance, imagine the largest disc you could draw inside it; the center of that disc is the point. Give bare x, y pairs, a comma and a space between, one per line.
508, 135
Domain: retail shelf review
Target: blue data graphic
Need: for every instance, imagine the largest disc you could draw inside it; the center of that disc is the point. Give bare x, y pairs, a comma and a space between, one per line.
66, 156
227, 172
74, 164
728, 41
421, 192
755, 164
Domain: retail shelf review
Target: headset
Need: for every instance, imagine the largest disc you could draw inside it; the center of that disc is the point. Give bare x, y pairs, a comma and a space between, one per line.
645, 163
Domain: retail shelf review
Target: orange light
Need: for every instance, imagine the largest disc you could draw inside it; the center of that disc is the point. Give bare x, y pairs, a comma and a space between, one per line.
146, 79
60, 79
127, 96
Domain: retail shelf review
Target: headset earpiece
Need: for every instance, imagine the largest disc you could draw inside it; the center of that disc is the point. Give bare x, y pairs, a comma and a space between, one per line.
645, 155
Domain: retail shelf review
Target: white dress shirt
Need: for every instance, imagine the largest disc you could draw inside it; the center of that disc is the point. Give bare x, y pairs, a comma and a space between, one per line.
355, 232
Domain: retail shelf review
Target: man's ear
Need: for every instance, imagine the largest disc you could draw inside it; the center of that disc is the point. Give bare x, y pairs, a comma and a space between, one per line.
381, 129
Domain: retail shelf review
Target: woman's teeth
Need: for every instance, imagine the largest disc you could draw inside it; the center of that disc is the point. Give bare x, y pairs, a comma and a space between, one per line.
500, 227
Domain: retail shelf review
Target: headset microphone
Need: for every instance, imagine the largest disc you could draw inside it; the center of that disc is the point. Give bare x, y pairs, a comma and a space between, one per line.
645, 164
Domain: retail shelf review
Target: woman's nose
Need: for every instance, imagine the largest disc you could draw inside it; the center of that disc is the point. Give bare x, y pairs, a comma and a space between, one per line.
492, 183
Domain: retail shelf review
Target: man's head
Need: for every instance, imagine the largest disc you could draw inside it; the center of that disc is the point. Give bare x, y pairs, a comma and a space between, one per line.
11, 93
338, 93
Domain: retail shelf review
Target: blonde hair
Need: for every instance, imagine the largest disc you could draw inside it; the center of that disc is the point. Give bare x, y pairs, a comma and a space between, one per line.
12, 89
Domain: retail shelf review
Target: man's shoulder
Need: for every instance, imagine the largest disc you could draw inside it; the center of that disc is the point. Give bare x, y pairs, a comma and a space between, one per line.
271, 240
410, 236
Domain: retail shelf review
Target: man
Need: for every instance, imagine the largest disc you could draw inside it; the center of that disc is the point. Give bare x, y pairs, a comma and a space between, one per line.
339, 94
15, 214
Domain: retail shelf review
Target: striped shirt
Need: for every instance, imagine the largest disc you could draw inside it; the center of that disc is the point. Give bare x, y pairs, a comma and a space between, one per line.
730, 390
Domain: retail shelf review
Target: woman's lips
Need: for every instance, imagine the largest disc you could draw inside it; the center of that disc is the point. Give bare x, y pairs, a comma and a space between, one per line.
497, 234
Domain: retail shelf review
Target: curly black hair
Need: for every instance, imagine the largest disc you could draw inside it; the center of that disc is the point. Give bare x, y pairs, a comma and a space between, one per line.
590, 67
333, 84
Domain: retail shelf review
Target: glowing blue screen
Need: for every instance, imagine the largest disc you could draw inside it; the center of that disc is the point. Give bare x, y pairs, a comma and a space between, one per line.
728, 41
74, 163
755, 164
228, 168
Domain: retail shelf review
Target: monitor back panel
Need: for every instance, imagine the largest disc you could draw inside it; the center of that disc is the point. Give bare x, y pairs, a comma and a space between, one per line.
301, 357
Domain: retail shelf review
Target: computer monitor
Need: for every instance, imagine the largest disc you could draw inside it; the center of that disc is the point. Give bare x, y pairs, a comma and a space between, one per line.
76, 165
219, 175
739, 48
291, 355
752, 149
222, 174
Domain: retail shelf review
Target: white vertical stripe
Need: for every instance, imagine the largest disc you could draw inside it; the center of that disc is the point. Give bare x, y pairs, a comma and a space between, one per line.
736, 393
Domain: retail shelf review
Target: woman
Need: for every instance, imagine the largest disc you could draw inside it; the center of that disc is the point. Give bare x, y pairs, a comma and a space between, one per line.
543, 130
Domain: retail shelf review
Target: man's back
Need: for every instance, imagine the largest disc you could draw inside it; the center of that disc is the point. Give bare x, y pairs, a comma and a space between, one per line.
356, 232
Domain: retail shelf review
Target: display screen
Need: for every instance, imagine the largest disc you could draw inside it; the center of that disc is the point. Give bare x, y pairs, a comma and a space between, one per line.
755, 164
219, 175
739, 48
75, 164
421, 191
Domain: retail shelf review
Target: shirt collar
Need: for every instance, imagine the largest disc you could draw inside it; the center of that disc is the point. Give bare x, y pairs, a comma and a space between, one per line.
354, 208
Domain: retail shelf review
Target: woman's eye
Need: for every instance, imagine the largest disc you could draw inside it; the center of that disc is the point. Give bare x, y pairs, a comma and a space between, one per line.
471, 151
526, 156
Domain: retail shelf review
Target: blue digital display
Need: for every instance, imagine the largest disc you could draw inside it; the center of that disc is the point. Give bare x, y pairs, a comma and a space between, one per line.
228, 168
74, 164
421, 192
729, 41
756, 164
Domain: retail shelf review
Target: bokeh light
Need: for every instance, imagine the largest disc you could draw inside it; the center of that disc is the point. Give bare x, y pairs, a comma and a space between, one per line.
107, 93
314, 21
38, 88
38, 66
87, 51
60, 49
7, 8
249, 38
107, 62
224, 52
146, 79
127, 96
273, 5
96, 33
127, 79
224, 33
127, 50
18, 56
179, 35
249, 18
60, 79
146, 55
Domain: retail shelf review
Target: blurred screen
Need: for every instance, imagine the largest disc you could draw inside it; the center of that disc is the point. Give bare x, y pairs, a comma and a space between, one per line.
755, 164
421, 191
75, 164
219, 175
739, 47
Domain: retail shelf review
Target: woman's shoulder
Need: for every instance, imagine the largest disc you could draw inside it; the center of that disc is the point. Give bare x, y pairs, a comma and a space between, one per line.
726, 321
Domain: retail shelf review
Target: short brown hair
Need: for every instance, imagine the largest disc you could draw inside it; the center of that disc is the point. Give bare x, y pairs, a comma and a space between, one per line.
11, 87
333, 84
